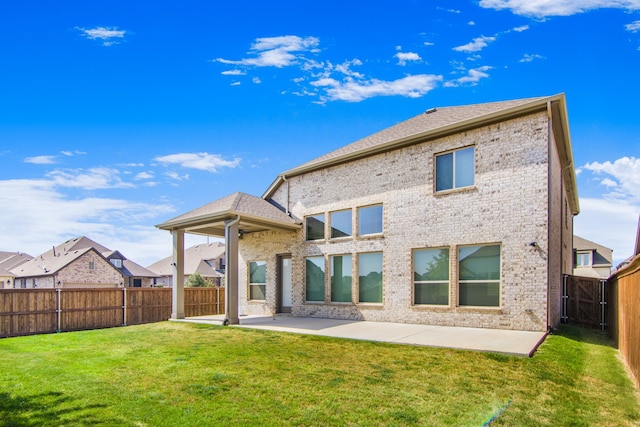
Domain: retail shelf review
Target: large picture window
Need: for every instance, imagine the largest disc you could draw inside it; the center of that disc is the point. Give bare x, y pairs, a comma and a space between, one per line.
257, 280
369, 220
314, 226
479, 275
314, 279
370, 277
340, 223
455, 169
341, 278
431, 276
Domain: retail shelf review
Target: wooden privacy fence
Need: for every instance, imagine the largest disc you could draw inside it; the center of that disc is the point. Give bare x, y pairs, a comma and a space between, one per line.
624, 324
40, 311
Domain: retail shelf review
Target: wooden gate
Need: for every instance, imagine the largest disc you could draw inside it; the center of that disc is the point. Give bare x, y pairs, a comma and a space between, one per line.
585, 301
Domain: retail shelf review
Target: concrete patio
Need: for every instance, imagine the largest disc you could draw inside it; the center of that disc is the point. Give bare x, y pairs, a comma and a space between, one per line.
518, 343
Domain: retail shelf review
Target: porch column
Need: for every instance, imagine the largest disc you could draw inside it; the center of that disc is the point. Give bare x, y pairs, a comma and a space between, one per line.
231, 272
177, 290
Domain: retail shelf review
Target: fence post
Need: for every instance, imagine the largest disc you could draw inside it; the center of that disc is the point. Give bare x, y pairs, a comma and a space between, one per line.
603, 303
564, 318
124, 306
58, 310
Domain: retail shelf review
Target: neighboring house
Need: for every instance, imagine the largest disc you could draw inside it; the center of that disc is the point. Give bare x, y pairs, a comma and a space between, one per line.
460, 216
6, 279
9, 261
205, 259
81, 263
591, 259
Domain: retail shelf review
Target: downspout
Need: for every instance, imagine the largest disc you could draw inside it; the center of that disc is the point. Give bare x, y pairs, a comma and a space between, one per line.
227, 227
286, 209
549, 195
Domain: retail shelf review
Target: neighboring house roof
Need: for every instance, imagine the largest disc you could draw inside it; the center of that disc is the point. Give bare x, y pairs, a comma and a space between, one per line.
65, 253
11, 260
603, 256
255, 213
198, 258
440, 122
50, 262
6, 273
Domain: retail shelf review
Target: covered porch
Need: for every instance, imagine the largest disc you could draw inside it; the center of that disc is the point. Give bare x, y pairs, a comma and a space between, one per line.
230, 218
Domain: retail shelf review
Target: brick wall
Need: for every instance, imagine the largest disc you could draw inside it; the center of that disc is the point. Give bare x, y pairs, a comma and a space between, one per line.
509, 205
78, 272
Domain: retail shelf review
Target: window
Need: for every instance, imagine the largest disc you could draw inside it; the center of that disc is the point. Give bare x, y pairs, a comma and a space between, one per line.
314, 279
369, 220
479, 275
92, 265
117, 262
340, 223
315, 227
431, 276
341, 278
583, 259
257, 280
370, 277
455, 169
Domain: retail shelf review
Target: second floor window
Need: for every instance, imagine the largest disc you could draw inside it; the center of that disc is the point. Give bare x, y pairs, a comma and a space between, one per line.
455, 169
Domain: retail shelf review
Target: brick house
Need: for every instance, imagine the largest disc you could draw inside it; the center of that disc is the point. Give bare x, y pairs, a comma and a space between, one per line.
460, 216
205, 259
81, 263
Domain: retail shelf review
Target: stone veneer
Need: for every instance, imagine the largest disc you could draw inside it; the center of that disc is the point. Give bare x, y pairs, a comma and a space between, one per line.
518, 198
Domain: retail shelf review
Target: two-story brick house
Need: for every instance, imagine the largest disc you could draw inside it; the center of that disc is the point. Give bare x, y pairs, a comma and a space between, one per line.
81, 263
460, 216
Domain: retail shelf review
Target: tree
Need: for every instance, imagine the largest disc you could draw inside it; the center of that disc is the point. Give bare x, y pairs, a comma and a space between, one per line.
196, 281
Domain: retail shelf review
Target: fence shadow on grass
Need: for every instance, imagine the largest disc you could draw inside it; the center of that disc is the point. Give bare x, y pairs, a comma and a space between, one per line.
51, 408
585, 334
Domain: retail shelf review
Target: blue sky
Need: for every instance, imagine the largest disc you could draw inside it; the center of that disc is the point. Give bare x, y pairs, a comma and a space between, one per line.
116, 116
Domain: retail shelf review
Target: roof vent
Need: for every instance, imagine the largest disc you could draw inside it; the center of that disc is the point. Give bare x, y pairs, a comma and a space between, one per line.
431, 110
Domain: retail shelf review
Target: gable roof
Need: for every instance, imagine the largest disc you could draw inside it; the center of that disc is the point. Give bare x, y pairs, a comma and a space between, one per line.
6, 273
256, 214
11, 260
440, 122
50, 262
606, 254
65, 253
198, 258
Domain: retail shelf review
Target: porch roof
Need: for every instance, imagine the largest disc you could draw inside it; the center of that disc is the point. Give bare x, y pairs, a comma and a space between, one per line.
255, 213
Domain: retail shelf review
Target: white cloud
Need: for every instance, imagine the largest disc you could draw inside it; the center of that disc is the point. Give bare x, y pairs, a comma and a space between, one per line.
176, 176
37, 215
201, 161
545, 8
256, 80
472, 78
403, 57
143, 175
90, 179
476, 45
235, 84
531, 57
612, 223
356, 91
634, 27
107, 35
471, 23
41, 160
233, 73
521, 28
624, 173
429, 44
276, 51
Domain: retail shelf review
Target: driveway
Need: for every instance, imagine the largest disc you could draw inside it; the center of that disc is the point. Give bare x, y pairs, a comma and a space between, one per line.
518, 343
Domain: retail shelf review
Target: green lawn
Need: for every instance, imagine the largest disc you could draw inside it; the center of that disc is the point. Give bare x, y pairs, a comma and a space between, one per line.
176, 374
